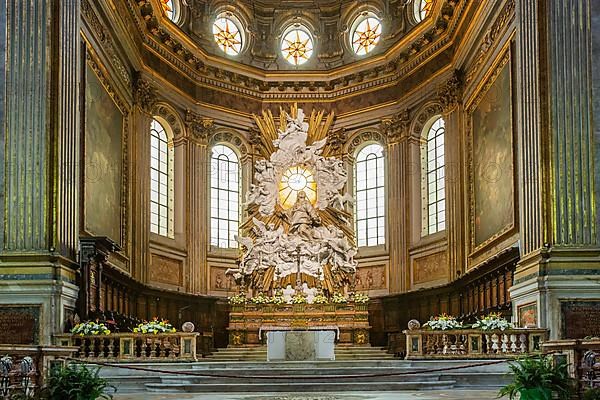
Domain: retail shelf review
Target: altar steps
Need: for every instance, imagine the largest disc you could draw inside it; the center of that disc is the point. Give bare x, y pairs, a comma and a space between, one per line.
259, 353
304, 376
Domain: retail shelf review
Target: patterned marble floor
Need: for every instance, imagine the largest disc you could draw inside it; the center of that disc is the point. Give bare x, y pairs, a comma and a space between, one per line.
429, 395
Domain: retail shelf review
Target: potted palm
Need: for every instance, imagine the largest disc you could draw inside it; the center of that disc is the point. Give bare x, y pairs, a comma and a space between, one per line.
539, 378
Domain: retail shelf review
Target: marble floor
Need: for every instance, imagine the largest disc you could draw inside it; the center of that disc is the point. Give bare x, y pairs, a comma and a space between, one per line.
424, 395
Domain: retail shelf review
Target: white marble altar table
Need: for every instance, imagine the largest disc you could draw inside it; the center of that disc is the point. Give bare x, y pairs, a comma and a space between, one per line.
307, 344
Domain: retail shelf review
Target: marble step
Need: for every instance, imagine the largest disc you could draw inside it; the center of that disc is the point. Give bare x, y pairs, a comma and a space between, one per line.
297, 387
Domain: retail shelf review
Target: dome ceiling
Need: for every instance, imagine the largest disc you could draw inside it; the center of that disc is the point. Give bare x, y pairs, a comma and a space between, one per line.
306, 35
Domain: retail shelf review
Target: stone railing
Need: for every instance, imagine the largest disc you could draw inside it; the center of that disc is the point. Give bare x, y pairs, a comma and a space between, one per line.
23, 368
583, 358
473, 343
179, 346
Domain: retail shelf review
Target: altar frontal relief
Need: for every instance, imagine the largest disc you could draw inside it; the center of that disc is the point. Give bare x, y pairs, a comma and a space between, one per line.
492, 159
102, 174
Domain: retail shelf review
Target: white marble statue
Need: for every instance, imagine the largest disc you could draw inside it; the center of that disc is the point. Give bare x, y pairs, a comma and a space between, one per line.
307, 242
288, 292
310, 293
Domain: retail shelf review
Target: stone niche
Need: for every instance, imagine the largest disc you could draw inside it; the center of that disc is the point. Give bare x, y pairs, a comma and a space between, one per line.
19, 324
580, 319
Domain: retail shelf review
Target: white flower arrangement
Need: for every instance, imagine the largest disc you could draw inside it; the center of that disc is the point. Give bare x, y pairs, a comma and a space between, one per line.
361, 298
443, 322
155, 326
238, 299
492, 321
277, 299
339, 298
261, 299
320, 299
90, 328
299, 298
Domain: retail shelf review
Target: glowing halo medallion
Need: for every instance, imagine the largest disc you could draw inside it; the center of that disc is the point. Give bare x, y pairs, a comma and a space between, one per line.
295, 180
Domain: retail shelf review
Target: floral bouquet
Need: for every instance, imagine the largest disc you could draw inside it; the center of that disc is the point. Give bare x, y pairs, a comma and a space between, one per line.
90, 328
155, 326
238, 299
361, 298
339, 298
491, 322
299, 298
443, 322
320, 299
261, 299
278, 297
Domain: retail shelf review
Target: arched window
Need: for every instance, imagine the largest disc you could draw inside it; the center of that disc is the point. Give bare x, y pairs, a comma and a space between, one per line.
224, 197
369, 187
161, 181
365, 33
434, 187
422, 9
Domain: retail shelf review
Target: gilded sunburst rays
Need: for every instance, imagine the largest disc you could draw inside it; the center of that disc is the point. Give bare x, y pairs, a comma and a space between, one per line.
227, 35
297, 46
295, 180
366, 35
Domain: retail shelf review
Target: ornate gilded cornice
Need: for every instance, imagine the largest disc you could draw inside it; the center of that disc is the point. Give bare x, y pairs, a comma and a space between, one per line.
397, 126
144, 94
199, 128
105, 40
491, 37
368, 74
449, 94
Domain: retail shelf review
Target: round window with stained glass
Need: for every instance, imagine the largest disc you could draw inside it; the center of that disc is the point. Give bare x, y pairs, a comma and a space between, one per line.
295, 180
366, 33
228, 35
297, 45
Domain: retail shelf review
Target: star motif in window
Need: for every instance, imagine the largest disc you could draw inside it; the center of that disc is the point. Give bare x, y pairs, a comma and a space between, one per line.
297, 47
227, 36
366, 36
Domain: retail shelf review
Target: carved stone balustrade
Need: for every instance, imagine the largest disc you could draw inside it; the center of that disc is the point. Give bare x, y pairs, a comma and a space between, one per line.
583, 358
23, 368
179, 346
473, 343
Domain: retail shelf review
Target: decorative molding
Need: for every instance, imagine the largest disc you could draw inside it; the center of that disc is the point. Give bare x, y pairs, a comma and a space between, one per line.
231, 137
449, 95
105, 40
144, 94
425, 114
397, 126
429, 268
166, 112
166, 270
371, 135
490, 38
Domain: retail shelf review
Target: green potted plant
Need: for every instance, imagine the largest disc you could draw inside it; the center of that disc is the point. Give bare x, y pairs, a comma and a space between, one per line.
539, 378
72, 382
592, 394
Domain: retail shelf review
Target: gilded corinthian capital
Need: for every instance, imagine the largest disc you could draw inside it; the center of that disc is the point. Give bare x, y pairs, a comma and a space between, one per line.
397, 126
144, 94
199, 127
449, 94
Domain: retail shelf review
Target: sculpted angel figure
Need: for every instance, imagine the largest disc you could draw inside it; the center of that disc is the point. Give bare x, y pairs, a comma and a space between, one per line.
264, 193
342, 251
291, 143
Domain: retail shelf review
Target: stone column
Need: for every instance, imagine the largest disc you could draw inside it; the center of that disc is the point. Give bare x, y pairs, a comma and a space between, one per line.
39, 158
557, 210
144, 99
449, 96
398, 161
198, 131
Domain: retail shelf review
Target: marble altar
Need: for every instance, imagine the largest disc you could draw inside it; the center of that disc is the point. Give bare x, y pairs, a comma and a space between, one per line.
305, 345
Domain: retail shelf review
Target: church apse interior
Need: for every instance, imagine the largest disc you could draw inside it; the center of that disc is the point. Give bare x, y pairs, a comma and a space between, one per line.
254, 167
